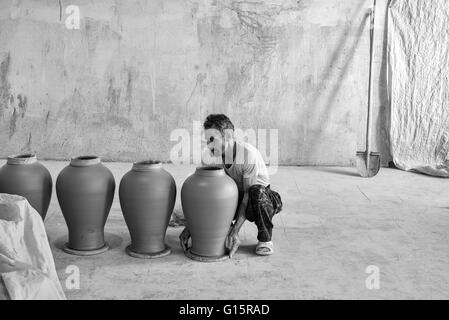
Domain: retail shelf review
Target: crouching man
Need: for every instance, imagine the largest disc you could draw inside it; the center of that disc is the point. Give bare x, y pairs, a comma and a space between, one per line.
245, 165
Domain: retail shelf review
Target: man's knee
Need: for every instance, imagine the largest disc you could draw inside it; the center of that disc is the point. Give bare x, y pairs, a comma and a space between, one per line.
256, 191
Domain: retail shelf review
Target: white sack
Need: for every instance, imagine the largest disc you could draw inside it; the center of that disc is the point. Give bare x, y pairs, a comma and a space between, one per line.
418, 36
26, 262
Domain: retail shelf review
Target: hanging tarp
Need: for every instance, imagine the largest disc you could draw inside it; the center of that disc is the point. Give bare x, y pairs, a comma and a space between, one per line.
418, 35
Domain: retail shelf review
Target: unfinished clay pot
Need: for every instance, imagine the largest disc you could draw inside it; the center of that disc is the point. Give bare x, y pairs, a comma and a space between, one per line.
85, 191
147, 197
209, 201
25, 176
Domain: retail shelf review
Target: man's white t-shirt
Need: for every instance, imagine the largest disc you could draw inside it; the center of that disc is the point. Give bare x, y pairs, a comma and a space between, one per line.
248, 163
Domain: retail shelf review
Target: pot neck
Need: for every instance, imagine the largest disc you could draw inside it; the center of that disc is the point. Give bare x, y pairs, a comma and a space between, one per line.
149, 165
22, 159
85, 161
210, 171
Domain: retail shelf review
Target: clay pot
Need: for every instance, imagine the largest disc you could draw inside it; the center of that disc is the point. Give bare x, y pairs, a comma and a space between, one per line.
25, 176
209, 201
85, 191
147, 197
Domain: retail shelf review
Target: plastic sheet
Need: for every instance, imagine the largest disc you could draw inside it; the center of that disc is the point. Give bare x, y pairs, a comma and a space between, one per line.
26, 262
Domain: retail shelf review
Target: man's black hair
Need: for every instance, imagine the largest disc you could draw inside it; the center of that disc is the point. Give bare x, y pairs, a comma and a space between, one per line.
219, 122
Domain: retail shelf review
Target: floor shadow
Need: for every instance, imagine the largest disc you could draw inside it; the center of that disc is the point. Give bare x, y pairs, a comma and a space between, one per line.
113, 240
345, 172
173, 242
59, 243
247, 249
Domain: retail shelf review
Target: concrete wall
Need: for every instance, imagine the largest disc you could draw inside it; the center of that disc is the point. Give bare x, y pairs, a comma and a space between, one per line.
138, 69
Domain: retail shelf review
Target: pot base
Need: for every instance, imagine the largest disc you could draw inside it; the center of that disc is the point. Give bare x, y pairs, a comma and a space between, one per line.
139, 255
69, 250
196, 257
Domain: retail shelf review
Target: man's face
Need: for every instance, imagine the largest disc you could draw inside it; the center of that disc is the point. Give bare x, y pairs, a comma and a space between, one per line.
214, 141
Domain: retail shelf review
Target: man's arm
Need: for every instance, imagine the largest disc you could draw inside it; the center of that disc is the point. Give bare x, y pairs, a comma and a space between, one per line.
241, 214
233, 241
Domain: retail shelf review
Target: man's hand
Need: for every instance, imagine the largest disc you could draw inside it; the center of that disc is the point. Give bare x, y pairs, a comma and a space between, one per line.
184, 239
232, 242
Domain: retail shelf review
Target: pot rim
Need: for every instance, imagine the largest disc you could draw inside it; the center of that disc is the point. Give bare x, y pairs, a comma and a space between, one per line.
85, 161
24, 158
147, 165
210, 171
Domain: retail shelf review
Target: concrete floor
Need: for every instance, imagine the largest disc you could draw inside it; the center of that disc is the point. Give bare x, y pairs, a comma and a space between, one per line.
334, 224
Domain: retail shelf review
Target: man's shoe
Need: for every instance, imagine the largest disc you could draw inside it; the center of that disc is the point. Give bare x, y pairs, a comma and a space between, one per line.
264, 248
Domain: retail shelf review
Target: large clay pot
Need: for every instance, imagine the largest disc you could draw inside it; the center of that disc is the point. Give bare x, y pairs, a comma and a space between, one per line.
209, 201
147, 197
24, 175
85, 191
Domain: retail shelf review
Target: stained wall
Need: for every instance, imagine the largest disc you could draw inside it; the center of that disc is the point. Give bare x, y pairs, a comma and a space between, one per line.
136, 70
